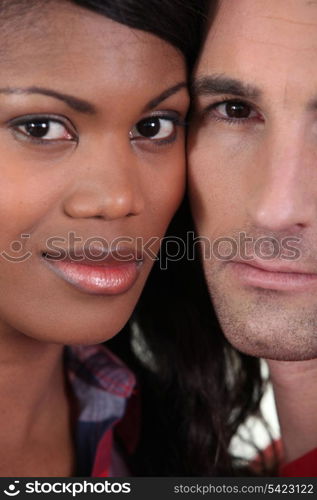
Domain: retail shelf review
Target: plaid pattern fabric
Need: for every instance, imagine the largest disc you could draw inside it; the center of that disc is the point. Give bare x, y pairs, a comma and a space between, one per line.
102, 386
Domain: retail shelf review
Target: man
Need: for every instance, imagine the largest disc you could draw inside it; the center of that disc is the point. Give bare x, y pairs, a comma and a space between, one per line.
253, 181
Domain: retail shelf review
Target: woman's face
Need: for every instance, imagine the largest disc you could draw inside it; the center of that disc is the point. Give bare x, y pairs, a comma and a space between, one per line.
92, 160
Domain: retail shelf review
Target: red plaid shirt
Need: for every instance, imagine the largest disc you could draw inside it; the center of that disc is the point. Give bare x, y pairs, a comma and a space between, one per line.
102, 386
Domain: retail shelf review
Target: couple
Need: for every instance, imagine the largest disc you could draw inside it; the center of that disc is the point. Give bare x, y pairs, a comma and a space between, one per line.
94, 103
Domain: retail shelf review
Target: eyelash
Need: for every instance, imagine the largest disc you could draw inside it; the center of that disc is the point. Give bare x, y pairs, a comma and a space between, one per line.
74, 138
229, 120
51, 119
175, 119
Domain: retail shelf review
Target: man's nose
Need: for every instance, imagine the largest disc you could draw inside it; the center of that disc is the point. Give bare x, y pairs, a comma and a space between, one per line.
283, 194
107, 185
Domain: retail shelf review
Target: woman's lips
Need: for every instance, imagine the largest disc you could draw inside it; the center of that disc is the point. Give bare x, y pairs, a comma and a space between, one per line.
112, 277
272, 278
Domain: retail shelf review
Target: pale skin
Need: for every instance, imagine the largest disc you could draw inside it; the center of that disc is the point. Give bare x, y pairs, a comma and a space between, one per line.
252, 168
99, 178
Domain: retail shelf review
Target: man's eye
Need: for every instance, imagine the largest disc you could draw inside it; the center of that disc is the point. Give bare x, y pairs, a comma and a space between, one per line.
43, 129
234, 110
156, 128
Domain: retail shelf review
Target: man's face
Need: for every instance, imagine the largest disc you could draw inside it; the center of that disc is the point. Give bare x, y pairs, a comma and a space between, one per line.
253, 173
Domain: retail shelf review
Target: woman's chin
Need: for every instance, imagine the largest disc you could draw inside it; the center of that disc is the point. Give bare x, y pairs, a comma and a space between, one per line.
77, 333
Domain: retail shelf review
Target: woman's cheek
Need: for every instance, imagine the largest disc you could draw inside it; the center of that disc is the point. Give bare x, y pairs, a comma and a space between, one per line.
167, 188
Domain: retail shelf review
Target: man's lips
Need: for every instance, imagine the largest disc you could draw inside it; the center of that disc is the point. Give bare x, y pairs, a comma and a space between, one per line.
274, 275
103, 273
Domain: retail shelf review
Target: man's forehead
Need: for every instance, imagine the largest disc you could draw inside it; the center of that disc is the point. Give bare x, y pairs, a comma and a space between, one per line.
292, 10
290, 23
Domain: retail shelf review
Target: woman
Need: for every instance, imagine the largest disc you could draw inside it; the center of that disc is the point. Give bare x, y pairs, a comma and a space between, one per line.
93, 103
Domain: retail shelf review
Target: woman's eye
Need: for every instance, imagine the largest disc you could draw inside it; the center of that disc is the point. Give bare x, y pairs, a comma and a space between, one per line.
234, 110
156, 128
43, 129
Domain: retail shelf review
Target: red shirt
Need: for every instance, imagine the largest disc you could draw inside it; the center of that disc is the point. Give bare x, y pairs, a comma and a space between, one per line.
305, 466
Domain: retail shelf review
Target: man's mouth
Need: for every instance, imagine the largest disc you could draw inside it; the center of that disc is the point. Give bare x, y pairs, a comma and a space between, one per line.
275, 275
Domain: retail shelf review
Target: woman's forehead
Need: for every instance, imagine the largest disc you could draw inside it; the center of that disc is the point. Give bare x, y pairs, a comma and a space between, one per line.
69, 39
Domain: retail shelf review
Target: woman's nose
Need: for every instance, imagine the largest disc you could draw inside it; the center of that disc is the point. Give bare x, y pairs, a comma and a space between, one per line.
107, 187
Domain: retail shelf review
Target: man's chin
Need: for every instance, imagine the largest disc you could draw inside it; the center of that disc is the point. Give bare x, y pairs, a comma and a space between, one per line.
270, 354
258, 330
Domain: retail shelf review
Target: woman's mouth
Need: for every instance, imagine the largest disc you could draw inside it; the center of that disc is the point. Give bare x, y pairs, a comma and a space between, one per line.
112, 275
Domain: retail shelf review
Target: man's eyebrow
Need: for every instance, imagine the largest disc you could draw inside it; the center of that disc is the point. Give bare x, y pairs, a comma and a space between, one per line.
165, 95
219, 84
75, 103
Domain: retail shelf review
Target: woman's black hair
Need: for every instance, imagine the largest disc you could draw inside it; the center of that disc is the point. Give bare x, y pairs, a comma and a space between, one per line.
195, 388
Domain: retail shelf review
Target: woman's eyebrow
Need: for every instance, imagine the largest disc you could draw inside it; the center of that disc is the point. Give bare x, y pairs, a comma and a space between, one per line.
83, 106
164, 95
75, 103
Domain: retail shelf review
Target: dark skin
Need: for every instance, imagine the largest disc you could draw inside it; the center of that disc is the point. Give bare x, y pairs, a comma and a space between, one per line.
94, 175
